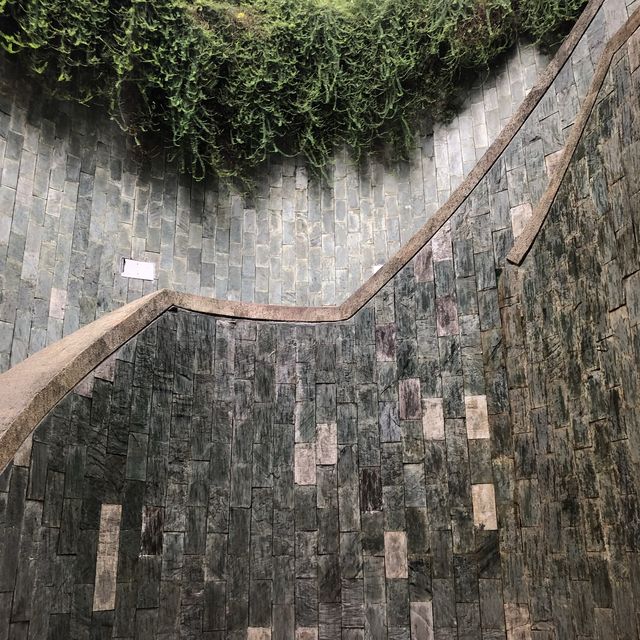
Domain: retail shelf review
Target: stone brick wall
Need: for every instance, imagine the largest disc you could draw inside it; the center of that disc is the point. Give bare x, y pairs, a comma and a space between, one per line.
570, 321
74, 202
459, 460
234, 479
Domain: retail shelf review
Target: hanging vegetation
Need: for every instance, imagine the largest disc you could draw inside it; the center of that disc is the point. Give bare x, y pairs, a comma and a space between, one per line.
226, 84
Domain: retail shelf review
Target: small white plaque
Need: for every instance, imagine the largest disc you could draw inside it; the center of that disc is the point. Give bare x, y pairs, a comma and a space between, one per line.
138, 269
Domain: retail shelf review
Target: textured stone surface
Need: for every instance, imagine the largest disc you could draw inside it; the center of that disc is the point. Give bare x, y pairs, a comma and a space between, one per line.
571, 352
260, 494
74, 202
104, 596
201, 428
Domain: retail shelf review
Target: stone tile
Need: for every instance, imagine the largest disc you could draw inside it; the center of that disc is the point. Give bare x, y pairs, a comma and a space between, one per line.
57, 303
386, 343
327, 444
441, 246
422, 620
484, 506
520, 216
477, 417
552, 161
432, 419
104, 596
395, 555
410, 401
447, 316
518, 622
423, 264
305, 463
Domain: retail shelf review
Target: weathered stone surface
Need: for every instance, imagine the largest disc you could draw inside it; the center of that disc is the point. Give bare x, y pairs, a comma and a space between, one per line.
410, 402
319, 479
104, 596
477, 417
484, 506
395, 554
432, 419
305, 463
422, 620
327, 443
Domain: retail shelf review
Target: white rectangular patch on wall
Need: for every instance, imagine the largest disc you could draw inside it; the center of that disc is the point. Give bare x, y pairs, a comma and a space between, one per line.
104, 594
138, 269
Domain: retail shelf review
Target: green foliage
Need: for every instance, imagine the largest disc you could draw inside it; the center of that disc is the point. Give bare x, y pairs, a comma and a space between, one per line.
228, 83
546, 21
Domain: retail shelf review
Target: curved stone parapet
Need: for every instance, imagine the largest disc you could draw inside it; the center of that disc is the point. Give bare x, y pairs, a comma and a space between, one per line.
450, 453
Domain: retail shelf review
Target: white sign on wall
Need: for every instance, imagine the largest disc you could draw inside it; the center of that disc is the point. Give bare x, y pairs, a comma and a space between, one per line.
138, 269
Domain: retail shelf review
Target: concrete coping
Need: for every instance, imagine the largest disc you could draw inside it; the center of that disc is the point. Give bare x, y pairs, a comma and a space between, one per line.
30, 389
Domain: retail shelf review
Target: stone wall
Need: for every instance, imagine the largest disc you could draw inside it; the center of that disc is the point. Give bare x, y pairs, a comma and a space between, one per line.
234, 479
570, 321
459, 460
74, 201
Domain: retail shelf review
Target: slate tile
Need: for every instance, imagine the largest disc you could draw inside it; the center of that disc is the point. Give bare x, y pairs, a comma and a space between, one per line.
305, 508
239, 532
389, 422
327, 483
412, 441
306, 602
260, 598
417, 530
351, 555
397, 603
283, 616
306, 545
414, 485
444, 608
328, 530
329, 621
305, 464
353, 603
262, 472
148, 572
477, 418
370, 489
410, 401
386, 377
214, 606
240, 495
305, 421
347, 423
373, 533
327, 444
283, 528
53, 499
393, 507
386, 342
69, 526
218, 510
283, 579
237, 593
395, 553
38, 471
326, 403
433, 418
